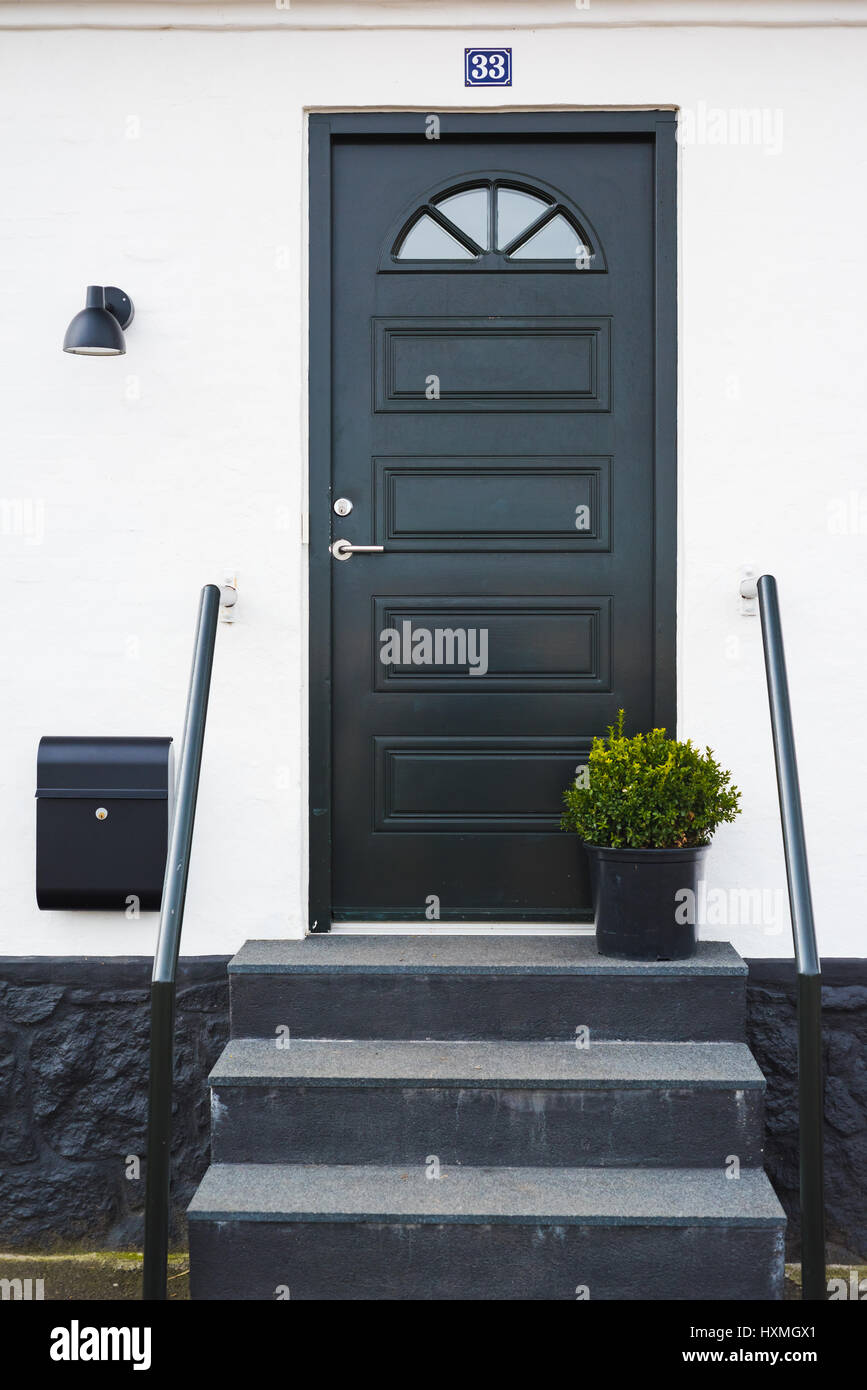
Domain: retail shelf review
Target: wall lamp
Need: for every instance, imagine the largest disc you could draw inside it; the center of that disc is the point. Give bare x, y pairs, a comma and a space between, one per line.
97, 331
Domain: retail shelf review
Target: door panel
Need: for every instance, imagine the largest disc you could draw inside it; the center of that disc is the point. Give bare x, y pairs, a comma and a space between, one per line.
493, 424
513, 364
480, 786
474, 503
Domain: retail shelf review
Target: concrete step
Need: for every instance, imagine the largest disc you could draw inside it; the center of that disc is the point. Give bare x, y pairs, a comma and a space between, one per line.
512, 1103
479, 988
264, 1231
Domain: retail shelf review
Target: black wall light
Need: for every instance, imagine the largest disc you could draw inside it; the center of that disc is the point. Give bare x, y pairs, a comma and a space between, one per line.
97, 331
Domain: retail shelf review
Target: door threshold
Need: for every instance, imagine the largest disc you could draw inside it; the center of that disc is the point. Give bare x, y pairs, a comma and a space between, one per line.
462, 929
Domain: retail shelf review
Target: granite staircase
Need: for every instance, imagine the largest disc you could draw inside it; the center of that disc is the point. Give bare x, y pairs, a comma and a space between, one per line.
485, 1118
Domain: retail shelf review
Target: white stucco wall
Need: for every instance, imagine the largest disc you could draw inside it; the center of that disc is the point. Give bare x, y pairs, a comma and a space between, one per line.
172, 162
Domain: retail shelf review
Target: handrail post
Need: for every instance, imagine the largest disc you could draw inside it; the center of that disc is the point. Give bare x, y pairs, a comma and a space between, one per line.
810, 1089
156, 1233
810, 1097
159, 1141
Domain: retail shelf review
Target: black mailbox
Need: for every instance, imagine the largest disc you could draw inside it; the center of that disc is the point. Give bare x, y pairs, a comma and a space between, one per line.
102, 821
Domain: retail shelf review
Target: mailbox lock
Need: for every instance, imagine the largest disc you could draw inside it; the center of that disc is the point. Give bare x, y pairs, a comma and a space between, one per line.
101, 813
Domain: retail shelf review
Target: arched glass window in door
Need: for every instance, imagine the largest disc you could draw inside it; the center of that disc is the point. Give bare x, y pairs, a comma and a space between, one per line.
493, 223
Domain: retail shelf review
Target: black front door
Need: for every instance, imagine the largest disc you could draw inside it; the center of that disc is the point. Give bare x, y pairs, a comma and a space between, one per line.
494, 433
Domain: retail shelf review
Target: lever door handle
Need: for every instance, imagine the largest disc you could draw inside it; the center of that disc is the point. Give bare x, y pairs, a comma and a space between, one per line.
344, 550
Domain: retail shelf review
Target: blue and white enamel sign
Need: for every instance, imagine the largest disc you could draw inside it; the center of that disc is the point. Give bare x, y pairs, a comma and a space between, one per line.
487, 67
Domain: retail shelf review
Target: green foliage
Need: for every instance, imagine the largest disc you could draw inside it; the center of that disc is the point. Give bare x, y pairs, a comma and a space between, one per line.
649, 792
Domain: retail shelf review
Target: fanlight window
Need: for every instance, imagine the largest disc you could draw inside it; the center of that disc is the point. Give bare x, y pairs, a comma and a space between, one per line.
469, 212
516, 211
428, 240
511, 222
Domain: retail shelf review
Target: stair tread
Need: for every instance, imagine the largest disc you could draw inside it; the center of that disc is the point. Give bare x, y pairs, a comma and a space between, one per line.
468, 955
574, 1196
336, 1062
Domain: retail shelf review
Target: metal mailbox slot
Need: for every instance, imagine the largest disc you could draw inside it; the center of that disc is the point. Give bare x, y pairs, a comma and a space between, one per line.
103, 810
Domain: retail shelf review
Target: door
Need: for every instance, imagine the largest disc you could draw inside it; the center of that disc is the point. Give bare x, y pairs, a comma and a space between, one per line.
497, 468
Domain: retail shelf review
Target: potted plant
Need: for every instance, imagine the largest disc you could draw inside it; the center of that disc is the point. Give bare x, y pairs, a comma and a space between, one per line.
646, 808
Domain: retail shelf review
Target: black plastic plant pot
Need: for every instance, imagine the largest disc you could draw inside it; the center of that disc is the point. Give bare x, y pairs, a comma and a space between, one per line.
644, 901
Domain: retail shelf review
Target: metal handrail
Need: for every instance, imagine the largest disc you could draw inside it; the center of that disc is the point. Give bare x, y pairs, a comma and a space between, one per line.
810, 1116
156, 1232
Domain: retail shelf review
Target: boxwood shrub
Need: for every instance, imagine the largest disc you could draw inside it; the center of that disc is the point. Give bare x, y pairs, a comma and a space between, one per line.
648, 791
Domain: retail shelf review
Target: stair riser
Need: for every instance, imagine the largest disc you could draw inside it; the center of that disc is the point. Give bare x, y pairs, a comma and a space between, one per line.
477, 1008
356, 1260
481, 1126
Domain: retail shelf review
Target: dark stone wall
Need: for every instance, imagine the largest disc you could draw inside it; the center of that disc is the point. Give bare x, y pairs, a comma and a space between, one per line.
74, 1040
73, 1094
773, 1036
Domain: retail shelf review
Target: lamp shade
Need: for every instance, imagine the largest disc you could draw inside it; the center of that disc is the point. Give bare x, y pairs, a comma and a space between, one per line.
95, 331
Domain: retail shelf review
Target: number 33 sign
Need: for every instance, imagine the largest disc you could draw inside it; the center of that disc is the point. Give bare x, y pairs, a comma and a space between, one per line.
487, 67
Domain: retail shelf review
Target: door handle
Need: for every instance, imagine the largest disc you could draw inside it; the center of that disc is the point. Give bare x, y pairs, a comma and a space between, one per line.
344, 550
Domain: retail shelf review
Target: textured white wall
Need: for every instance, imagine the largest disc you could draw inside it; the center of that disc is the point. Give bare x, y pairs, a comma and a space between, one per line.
172, 163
